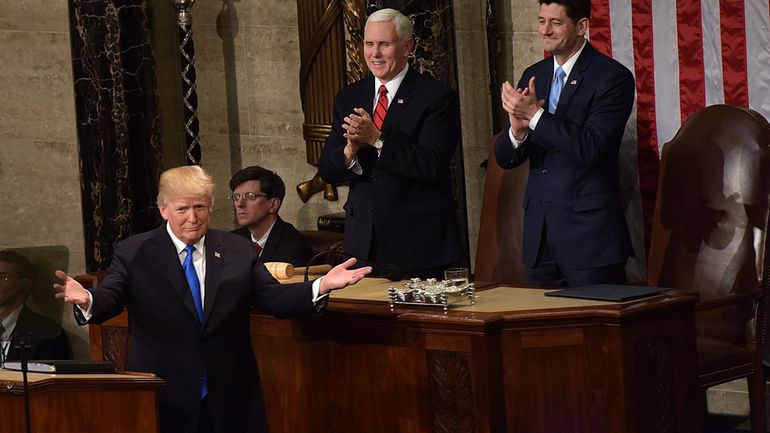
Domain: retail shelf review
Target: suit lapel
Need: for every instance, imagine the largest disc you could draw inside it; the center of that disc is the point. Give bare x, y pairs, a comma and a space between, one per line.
169, 259
400, 100
271, 246
575, 79
214, 251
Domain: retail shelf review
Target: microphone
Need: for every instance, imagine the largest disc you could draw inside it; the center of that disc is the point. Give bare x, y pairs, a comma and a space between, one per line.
389, 271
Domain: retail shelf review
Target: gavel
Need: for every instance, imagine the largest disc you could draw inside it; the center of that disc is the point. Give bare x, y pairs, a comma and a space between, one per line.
283, 271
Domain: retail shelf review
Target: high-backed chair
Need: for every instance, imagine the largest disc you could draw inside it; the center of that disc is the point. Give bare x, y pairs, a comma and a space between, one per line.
710, 235
498, 252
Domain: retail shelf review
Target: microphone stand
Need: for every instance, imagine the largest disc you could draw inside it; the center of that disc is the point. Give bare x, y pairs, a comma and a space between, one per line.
390, 272
323, 254
23, 344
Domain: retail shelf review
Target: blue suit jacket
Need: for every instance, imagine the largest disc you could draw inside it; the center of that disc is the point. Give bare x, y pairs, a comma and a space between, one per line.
146, 277
404, 196
573, 186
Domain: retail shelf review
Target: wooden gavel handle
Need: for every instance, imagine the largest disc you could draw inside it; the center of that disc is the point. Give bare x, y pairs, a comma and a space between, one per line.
313, 270
280, 270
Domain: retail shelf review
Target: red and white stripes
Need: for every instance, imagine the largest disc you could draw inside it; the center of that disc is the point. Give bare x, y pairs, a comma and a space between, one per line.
685, 55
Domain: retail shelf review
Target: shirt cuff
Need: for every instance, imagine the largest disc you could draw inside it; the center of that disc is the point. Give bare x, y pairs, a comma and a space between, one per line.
86, 312
316, 289
535, 118
355, 167
516, 143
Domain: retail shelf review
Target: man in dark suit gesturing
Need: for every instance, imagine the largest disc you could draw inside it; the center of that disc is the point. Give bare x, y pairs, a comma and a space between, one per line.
575, 232
393, 137
257, 195
188, 291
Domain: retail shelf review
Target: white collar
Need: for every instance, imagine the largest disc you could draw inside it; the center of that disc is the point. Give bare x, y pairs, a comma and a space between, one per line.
180, 246
9, 322
391, 85
570, 63
263, 240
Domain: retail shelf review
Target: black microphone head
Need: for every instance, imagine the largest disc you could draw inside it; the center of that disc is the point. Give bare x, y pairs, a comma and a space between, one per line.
391, 272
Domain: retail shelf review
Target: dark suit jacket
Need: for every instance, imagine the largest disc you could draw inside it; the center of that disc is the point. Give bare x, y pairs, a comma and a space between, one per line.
48, 340
285, 244
573, 185
403, 198
146, 277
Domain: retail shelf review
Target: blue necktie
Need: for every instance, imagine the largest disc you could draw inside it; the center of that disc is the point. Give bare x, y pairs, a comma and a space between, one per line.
195, 289
558, 84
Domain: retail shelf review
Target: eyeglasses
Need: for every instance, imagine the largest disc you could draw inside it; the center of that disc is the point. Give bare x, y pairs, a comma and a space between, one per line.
6, 277
246, 196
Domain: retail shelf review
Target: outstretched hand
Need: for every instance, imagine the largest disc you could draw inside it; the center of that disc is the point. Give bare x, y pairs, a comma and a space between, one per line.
340, 276
70, 291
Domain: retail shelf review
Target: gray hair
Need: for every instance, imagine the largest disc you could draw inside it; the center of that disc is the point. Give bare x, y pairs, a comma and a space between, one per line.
402, 23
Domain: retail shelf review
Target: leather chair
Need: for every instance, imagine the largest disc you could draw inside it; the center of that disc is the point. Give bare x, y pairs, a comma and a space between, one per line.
709, 235
498, 252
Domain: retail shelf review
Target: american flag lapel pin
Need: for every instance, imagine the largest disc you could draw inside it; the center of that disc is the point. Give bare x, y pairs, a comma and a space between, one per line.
400, 101
217, 255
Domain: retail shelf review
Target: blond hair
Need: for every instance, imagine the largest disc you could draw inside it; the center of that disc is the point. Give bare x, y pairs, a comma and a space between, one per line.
185, 181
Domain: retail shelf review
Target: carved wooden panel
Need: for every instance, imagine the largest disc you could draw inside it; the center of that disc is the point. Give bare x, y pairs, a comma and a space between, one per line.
115, 346
451, 392
655, 386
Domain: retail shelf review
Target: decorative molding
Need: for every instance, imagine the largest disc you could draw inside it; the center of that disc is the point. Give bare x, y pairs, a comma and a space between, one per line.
655, 386
115, 346
451, 392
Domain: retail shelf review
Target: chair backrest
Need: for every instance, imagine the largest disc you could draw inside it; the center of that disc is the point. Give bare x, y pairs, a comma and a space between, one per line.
709, 233
498, 252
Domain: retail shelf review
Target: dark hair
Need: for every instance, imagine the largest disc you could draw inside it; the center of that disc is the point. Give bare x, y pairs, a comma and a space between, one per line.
576, 9
269, 182
22, 264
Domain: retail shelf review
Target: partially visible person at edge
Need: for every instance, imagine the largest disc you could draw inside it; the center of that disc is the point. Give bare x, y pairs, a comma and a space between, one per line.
46, 338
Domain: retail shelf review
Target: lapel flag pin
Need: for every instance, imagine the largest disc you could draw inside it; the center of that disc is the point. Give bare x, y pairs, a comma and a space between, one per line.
573, 82
400, 101
217, 255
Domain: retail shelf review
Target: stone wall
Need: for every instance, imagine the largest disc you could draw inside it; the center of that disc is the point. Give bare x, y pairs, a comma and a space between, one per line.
39, 173
249, 107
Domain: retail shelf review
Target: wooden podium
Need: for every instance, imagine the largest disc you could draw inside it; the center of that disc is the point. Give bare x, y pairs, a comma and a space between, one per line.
517, 361
79, 403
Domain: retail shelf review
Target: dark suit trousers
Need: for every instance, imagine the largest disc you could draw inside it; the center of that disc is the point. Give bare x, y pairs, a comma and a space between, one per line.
548, 273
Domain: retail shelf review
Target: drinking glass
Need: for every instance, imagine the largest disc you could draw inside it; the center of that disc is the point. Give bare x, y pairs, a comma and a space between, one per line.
459, 276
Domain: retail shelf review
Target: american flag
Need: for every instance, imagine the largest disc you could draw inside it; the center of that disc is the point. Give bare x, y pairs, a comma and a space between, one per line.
685, 55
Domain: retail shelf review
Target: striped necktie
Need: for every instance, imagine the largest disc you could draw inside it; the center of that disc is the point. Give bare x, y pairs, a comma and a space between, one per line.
382, 107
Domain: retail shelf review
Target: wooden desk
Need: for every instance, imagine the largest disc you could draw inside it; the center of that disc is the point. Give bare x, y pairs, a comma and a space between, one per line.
517, 361
78, 403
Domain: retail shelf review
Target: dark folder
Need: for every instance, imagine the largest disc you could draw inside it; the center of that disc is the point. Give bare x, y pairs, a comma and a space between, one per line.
64, 366
608, 292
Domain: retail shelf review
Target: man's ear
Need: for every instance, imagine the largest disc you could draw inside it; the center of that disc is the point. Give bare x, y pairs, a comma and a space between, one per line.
275, 205
582, 26
409, 45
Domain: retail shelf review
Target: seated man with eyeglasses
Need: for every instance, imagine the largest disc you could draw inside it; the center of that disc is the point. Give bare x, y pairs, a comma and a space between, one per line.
46, 338
257, 194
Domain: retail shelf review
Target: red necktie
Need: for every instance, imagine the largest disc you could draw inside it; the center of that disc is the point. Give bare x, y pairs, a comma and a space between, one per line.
259, 249
382, 107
